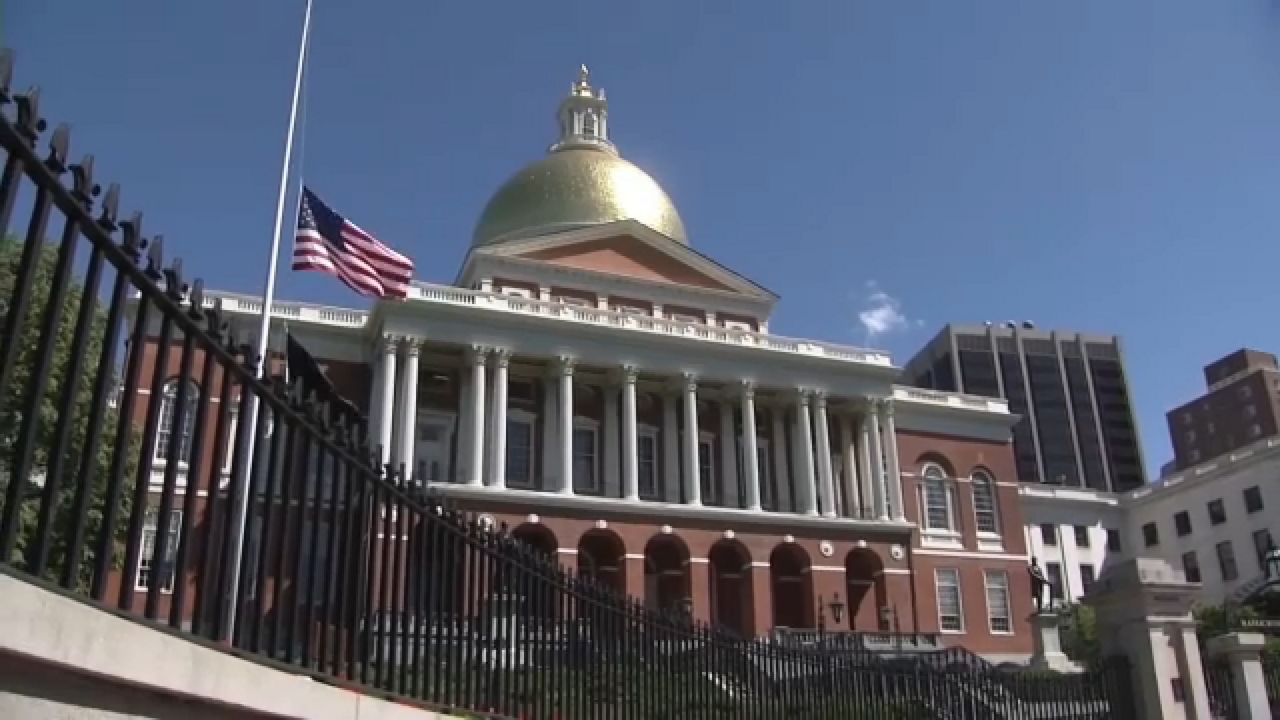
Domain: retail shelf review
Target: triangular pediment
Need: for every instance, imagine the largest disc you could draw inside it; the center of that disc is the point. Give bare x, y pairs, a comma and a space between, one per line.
629, 249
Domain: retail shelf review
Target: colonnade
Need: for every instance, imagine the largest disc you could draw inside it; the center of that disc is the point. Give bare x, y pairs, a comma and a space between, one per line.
864, 443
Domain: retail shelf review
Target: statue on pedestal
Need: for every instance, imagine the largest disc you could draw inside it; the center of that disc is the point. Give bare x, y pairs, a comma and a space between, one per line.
1038, 583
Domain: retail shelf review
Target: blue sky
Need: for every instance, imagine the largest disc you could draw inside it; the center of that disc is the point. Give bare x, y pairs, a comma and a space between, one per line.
1097, 165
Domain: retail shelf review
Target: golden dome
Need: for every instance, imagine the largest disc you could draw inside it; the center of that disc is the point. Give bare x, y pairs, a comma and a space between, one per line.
576, 187
581, 182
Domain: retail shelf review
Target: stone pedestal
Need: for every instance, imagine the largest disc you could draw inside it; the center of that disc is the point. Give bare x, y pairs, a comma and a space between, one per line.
1143, 609
1047, 653
1243, 653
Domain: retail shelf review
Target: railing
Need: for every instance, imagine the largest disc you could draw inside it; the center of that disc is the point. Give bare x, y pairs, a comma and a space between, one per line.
593, 316
312, 558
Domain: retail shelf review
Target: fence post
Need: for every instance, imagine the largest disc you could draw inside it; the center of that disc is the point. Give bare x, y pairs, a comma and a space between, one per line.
1243, 653
1143, 609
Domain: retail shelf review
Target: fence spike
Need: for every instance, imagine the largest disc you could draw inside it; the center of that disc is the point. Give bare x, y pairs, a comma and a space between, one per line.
132, 241
213, 321
6, 75
59, 145
29, 123
155, 258
174, 286
196, 298
82, 185
110, 207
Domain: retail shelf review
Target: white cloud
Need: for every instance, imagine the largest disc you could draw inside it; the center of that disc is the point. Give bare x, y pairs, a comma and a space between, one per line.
882, 313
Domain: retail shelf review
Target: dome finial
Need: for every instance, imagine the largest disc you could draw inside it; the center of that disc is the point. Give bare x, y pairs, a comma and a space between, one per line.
582, 86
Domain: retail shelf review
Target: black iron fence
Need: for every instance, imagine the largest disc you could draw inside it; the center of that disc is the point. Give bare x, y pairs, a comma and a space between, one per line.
128, 480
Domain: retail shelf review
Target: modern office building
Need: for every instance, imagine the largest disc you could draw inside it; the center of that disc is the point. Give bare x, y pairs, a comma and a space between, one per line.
618, 399
1078, 427
1241, 404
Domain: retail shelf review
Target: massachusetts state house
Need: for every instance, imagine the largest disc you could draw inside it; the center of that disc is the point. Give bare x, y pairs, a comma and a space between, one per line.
618, 399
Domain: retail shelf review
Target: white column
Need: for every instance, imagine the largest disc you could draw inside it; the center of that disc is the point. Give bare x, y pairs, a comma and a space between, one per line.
692, 483
609, 435
894, 479
670, 449
566, 425
728, 453
778, 449
409, 406
475, 473
630, 456
877, 461
849, 455
550, 430
826, 487
750, 454
498, 420
387, 404
866, 481
804, 432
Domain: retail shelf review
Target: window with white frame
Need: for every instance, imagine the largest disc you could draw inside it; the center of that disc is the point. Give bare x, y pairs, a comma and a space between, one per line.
986, 515
516, 291
937, 500
156, 560
520, 449
647, 461
998, 611
169, 415
950, 608
738, 325
585, 452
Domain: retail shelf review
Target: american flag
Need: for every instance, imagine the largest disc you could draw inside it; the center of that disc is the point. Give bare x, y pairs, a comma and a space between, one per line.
332, 244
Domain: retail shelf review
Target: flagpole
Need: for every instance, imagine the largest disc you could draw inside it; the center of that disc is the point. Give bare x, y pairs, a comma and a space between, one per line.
264, 328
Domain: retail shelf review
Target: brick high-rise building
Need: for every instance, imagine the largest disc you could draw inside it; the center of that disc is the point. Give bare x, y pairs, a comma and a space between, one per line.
1240, 404
1077, 427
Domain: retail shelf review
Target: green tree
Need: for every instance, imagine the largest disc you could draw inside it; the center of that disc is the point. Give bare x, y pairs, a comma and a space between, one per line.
48, 406
1080, 636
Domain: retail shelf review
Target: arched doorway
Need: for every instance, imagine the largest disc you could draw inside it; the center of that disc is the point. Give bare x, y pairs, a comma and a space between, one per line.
666, 572
864, 575
729, 566
602, 557
792, 587
542, 545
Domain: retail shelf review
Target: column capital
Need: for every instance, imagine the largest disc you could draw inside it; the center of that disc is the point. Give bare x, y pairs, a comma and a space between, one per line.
748, 389
886, 406
564, 365
820, 398
803, 396
388, 344
628, 374
501, 357
476, 354
412, 345
689, 381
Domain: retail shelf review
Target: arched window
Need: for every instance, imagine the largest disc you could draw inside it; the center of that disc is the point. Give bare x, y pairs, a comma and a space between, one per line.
986, 512
169, 414
937, 499
589, 123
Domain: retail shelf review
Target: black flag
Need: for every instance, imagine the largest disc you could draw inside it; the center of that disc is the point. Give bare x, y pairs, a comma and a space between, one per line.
304, 369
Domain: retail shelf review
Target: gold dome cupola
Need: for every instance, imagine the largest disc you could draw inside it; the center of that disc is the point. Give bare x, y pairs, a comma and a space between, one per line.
582, 181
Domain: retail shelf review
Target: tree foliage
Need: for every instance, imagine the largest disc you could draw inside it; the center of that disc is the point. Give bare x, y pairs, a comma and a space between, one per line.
49, 407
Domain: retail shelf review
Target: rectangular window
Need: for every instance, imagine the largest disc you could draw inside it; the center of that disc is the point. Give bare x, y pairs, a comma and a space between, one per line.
1261, 544
1227, 561
1082, 536
707, 470
1250, 411
1182, 523
1252, 499
998, 611
1217, 512
1255, 430
1053, 571
1087, 576
738, 325
584, 460
157, 562
1113, 540
1049, 535
686, 317
1150, 535
1191, 566
519, 452
1245, 392
647, 462
950, 609
1191, 436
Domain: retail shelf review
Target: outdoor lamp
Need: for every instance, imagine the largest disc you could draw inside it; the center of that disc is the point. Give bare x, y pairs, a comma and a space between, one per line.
837, 609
